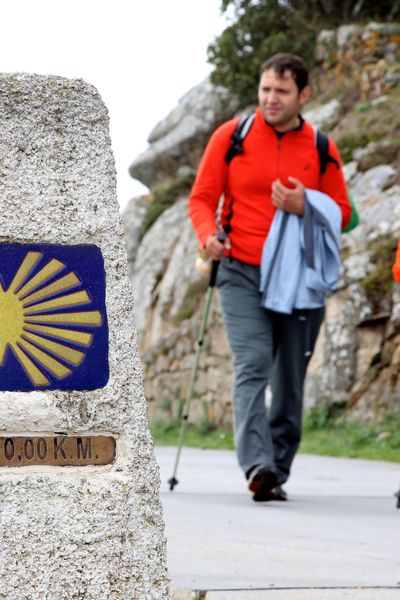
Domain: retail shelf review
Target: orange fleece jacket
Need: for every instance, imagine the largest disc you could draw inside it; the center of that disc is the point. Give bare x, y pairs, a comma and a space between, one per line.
246, 182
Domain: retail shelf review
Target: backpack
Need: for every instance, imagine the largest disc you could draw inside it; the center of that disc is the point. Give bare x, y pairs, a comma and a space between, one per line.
321, 143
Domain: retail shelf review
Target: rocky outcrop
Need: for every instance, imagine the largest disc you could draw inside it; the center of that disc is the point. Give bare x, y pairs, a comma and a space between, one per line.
177, 141
368, 56
357, 360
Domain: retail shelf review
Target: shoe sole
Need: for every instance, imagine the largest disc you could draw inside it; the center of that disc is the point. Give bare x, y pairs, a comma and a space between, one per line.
275, 496
262, 484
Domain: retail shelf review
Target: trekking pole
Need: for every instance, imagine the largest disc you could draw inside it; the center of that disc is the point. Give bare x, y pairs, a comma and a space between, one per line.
200, 340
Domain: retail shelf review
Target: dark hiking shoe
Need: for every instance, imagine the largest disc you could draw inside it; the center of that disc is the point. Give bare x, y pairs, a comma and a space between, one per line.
277, 493
262, 480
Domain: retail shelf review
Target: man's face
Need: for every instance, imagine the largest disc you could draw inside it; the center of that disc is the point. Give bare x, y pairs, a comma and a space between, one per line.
280, 100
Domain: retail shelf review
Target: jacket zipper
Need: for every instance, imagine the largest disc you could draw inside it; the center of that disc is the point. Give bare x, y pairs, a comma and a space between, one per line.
278, 158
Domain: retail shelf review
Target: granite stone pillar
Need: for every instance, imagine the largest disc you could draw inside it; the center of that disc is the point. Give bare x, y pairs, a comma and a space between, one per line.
80, 515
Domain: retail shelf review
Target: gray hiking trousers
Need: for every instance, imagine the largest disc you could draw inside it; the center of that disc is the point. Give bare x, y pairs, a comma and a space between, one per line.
268, 347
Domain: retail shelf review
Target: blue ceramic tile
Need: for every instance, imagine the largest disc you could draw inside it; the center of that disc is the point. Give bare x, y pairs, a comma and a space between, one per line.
53, 321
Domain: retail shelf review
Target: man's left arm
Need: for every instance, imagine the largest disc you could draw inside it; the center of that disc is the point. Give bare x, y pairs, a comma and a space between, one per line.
333, 183
288, 199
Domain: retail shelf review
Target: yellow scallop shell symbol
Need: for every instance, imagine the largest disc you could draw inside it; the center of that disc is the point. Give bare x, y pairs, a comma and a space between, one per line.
45, 343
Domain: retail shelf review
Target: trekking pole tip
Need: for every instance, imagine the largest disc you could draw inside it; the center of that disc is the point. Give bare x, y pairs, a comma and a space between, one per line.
172, 483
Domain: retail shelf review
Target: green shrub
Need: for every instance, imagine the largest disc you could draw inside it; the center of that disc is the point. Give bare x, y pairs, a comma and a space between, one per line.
196, 436
338, 436
347, 143
259, 28
363, 107
334, 436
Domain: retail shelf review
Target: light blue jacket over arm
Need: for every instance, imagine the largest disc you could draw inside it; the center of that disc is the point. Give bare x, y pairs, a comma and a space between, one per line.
301, 255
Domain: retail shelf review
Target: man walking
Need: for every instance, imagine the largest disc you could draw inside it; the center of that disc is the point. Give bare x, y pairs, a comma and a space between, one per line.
278, 162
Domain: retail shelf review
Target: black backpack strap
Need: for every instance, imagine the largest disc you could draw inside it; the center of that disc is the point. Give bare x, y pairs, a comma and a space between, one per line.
242, 129
322, 144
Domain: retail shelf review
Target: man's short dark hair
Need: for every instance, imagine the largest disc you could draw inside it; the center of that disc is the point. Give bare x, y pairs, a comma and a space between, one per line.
281, 63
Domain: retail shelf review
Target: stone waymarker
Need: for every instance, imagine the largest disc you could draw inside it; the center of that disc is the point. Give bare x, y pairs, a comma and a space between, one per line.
80, 515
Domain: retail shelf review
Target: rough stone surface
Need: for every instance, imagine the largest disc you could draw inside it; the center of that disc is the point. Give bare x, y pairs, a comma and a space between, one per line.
366, 55
326, 40
345, 34
323, 114
153, 258
94, 533
133, 217
166, 275
373, 181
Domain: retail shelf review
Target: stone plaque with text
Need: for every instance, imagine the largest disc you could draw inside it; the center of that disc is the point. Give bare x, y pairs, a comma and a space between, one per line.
61, 451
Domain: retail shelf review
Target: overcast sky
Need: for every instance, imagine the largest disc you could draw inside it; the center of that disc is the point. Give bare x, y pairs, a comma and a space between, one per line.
142, 56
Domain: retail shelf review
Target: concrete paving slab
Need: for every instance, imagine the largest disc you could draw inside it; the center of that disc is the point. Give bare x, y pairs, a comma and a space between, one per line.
291, 594
307, 594
340, 529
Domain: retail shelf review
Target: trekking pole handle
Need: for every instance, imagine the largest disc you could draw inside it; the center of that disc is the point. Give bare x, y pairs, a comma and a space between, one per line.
221, 237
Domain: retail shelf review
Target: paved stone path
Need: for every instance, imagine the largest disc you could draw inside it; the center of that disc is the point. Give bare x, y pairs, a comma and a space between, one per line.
338, 537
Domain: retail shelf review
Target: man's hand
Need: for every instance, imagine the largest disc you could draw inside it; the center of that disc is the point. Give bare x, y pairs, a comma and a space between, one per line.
289, 199
216, 249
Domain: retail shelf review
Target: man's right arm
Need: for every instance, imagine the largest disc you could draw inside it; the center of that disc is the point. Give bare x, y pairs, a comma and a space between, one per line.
208, 188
